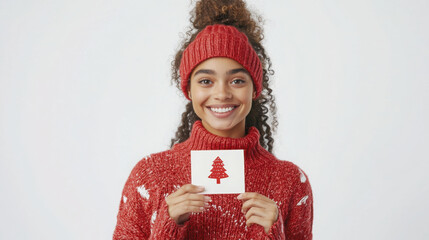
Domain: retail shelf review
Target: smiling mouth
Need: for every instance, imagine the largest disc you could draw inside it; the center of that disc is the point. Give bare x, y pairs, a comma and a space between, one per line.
222, 110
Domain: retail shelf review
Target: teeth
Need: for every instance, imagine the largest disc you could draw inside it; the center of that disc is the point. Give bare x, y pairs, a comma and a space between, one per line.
222, 110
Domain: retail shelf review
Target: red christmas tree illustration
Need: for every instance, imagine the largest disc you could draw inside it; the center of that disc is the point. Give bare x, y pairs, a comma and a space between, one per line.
218, 171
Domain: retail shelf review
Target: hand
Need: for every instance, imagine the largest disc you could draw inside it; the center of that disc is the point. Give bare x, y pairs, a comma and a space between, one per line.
185, 201
259, 209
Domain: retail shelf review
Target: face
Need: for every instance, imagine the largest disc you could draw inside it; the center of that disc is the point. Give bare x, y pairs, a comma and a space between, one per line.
221, 91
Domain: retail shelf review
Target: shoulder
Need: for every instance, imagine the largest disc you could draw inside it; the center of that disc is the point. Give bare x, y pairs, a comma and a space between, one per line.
283, 170
295, 181
289, 174
301, 188
155, 163
151, 173
154, 159
292, 169
284, 167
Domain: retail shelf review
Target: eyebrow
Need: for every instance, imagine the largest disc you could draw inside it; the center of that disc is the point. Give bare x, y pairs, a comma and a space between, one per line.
230, 72
206, 71
237, 70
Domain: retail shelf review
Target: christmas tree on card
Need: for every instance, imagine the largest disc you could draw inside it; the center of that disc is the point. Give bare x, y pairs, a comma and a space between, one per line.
218, 171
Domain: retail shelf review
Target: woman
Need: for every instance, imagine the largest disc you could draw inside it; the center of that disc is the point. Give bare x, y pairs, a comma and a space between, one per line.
224, 72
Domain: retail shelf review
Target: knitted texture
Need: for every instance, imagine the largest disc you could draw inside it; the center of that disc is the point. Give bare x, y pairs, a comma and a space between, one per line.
143, 212
220, 41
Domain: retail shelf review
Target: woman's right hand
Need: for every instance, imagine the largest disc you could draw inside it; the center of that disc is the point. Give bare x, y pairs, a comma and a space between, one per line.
185, 201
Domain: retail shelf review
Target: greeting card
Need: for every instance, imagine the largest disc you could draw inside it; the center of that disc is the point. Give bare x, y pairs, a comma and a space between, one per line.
218, 171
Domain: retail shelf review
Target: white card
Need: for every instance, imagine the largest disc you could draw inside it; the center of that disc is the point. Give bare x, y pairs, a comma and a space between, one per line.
218, 171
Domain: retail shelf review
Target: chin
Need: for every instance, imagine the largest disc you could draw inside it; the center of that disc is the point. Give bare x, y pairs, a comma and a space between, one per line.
220, 125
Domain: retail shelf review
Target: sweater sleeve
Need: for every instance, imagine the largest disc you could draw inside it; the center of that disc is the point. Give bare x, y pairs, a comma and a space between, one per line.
295, 220
167, 227
134, 210
299, 220
143, 212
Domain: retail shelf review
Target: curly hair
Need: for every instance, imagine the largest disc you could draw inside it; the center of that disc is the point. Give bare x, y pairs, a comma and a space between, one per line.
234, 13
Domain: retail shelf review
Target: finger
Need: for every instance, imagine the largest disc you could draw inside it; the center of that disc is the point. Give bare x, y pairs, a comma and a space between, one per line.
187, 207
185, 189
260, 212
260, 221
249, 195
271, 216
254, 203
189, 188
189, 197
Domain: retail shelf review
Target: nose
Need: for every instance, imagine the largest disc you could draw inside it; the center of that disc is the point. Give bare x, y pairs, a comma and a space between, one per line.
222, 91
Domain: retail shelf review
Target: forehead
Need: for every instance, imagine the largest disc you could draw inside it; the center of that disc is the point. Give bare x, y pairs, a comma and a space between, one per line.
218, 64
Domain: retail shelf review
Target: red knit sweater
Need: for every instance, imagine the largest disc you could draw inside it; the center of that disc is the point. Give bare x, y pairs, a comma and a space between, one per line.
143, 211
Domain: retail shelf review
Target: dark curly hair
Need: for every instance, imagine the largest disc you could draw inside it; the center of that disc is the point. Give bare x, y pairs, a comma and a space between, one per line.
234, 13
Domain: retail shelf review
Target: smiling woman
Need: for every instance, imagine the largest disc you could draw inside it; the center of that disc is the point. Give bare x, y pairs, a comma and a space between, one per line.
223, 70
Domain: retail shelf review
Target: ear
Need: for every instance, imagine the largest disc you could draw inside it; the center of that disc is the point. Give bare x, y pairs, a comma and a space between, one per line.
189, 94
254, 95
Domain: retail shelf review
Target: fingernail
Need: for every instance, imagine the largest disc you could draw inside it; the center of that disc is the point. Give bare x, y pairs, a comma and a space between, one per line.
207, 199
240, 196
200, 188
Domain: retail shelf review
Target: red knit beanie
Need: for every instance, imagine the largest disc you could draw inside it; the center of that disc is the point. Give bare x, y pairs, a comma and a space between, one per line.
220, 41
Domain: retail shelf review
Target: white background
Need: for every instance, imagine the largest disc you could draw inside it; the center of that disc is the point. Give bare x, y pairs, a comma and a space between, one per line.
85, 94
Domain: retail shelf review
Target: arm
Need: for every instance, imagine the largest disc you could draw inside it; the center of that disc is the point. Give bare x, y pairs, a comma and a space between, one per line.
299, 220
291, 221
176, 210
143, 212
134, 210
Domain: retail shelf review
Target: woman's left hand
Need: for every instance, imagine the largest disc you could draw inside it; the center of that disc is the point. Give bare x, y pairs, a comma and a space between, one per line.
259, 209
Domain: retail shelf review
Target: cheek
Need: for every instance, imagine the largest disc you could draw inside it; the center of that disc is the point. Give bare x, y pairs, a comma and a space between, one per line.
199, 98
246, 96
199, 95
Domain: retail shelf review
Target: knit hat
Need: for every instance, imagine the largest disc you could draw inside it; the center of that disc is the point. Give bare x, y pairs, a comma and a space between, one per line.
220, 41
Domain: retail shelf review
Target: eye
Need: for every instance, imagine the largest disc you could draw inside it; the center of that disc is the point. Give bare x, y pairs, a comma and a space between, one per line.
205, 82
238, 81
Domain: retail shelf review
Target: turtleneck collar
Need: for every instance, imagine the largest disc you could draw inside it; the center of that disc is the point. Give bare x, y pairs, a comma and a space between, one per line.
201, 139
